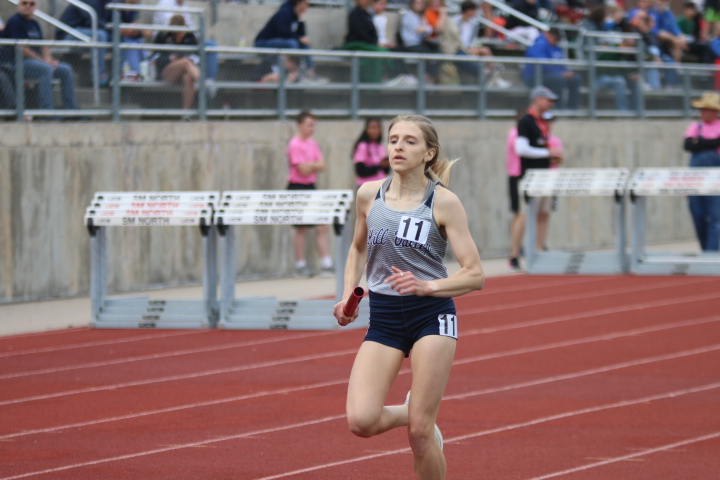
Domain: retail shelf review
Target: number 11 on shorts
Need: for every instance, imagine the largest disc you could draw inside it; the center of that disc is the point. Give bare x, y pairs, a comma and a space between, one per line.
448, 325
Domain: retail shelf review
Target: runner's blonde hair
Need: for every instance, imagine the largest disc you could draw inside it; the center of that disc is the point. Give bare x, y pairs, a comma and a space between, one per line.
437, 169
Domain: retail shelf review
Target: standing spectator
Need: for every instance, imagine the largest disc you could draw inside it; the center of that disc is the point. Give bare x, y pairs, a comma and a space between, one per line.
556, 77
533, 147
181, 66
520, 26
514, 171
81, 21
211, 58
702, 140
38, 64
370, 154
305, 162
286, 29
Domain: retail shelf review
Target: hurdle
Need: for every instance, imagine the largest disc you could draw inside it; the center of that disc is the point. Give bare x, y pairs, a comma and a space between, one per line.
282, 207
125, 209
575, 182
648, 182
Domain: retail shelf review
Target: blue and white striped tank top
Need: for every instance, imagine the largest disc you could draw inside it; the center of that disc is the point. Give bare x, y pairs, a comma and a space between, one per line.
406, 239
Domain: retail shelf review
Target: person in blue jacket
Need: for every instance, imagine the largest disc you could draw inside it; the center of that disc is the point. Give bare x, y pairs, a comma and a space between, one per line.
286, 29
556, 77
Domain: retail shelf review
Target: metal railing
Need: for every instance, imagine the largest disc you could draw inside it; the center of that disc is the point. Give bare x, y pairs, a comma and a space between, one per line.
349, 93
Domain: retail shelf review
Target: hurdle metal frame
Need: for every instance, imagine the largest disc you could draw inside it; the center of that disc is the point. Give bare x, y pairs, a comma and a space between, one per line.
116, 209
282, 207
648, 182
575, 182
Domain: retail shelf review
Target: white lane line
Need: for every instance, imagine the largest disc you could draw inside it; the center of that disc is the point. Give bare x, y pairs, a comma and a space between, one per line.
100, 343
632, 455
308, 335
175, 353
345, 380
37, 334
536, 421
181, 377
601, 293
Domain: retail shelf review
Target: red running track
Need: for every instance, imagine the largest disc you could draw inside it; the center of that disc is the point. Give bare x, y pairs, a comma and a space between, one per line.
554, 377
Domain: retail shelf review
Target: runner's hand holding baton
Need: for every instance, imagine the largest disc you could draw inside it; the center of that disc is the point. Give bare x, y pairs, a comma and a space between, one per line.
350, 310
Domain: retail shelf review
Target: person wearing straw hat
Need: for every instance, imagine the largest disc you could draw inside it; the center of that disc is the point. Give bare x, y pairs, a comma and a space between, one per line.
702, 140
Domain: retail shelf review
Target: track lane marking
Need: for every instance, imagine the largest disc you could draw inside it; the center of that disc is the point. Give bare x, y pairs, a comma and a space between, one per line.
623, 403
631, 456
405, 371
309, 335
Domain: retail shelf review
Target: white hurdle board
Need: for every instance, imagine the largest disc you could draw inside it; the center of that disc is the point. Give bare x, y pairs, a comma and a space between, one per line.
282, 207
574, 182
649, 182
130, 209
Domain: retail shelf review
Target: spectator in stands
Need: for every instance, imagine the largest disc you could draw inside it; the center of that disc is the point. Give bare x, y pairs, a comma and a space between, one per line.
380, 21
370, 153
269, 72
702, 140
643, 24
616, 20
712, 17
181, 66
286, 29
458, 38
694, 27
414, 34
131, 59
362, 36
533, 147
38, 64
435, 15
305, 162
618, 79
556, 77
520, 26
671, 38
81, 21
211, 58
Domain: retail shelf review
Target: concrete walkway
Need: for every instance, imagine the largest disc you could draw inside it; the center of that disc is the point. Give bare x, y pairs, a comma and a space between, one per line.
26, 317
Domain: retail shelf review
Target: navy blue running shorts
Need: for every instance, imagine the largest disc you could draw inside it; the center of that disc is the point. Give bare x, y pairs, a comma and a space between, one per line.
400, 321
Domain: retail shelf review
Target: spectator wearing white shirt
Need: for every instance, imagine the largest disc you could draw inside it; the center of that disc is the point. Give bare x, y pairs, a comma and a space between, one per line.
163, 18
468, 22
380, 21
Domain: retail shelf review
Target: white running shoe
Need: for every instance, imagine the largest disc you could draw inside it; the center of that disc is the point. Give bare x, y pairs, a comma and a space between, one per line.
399, 80
409, 80
438, 433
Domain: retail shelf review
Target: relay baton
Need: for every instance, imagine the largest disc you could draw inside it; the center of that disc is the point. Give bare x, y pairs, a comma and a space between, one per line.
353, 301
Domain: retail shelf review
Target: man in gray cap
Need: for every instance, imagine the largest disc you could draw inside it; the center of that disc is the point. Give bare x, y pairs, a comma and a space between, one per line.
533, 147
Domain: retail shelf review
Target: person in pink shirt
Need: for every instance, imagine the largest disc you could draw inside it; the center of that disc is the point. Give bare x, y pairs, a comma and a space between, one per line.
369, 154
305, 162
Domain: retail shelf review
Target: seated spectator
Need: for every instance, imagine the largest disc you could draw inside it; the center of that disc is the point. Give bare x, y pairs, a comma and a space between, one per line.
668, 33
711, 16
520, 26
362, 36
38, 63
80, 20
618, 79
380, 21
616, 20
211, 58
131, 58
179, 67
643, 24
286, 29
457, 37
269, 72
694, 27
414, 33
556, 77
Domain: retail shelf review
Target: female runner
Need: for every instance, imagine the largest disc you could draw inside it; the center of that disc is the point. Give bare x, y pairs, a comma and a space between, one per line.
403, 225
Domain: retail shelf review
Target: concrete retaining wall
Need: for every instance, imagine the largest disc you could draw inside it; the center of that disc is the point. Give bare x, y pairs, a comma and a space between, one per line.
49, 172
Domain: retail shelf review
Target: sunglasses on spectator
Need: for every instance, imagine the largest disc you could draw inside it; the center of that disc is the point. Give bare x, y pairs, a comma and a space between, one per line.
32, 4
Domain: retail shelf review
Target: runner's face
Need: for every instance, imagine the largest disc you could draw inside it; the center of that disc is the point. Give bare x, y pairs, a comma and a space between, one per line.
407, 149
